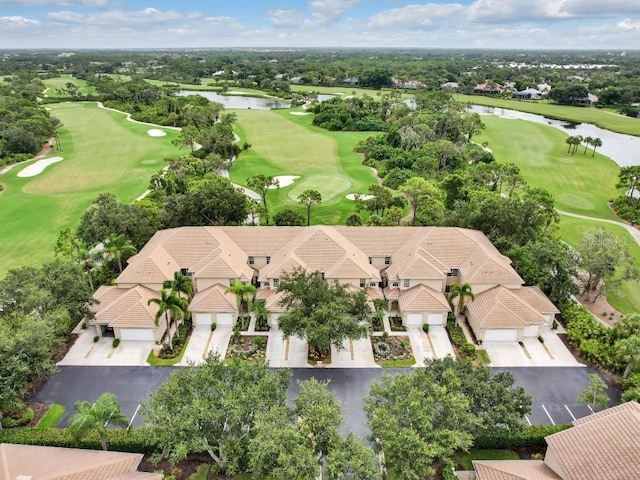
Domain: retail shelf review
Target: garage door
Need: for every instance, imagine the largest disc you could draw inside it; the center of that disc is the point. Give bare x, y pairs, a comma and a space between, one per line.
500, 335
531, 331
203, 319
136, 334
414, 319
224, 319
435, 319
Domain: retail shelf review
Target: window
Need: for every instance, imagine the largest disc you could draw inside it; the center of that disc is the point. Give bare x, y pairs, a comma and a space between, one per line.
323, 275
454, 272
276, 282
447, 289
185, 271
363, 282
407, 282
373, 284
265, 284
268, 260
395, 284
387, 260
252, 260
370, 260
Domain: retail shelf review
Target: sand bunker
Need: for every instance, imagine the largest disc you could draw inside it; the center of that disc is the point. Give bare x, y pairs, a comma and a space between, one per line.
352, 196
299, 113
156, 132
38, 167
285, 180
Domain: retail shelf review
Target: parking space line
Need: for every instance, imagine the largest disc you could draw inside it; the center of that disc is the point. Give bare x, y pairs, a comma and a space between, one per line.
547, 412
570, 412
134, 416
527, 419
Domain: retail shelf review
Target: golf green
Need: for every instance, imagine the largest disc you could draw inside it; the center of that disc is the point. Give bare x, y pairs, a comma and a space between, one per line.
102, 152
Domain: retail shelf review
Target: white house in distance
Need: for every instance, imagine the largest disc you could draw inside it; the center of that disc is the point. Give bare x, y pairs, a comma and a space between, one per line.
412, 267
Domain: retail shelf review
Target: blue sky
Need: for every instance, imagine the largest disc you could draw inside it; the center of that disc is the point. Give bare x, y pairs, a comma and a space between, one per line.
508, 24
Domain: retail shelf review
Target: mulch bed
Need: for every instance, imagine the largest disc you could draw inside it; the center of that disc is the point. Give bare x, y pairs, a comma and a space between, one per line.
39, 409
246, 343
182, 470
398, 351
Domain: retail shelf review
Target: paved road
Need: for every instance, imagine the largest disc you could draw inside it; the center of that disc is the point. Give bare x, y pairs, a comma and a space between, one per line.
554, 389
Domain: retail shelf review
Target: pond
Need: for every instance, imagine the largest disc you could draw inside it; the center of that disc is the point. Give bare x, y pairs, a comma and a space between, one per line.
237, 101
622, 149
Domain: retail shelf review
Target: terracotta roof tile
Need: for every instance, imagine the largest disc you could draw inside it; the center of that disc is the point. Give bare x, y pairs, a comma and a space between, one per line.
128, 308
502, 308
214, 298
422, 298
513, 470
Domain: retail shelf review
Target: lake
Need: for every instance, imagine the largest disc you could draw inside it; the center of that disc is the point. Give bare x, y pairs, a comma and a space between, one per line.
237, 101
622, 149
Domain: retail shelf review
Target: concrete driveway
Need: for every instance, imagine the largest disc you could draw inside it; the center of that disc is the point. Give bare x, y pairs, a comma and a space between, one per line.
290, 352
553, 353
86, 352
356, 354
203, 341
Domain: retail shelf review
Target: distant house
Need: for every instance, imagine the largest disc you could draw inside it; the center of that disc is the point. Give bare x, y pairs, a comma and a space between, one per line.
450, 86
544, 87
351, 81
407, 85
601, 446
489, 88
528, 94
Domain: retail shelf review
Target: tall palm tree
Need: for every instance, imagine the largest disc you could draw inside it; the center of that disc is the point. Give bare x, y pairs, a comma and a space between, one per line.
461, 292
119, 248
597, 142
168, 304
180, 284
96, 416
569, 142
628, 350
243, 292
577, 141
587, 141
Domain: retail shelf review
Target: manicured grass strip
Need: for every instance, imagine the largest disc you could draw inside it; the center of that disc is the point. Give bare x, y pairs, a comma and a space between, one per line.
201, 472
600, 117
407, 362
465, 459
102, 153
167, 362
52, 417
54, 84
579, 183
285, 144
482, 357
343, 90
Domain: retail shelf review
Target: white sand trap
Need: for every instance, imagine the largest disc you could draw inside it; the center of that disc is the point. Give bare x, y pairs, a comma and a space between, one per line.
156, 132
285, 180
299, 113
352, 196
38, 167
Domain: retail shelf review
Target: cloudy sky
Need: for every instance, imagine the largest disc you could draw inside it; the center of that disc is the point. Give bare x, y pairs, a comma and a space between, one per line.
529, 24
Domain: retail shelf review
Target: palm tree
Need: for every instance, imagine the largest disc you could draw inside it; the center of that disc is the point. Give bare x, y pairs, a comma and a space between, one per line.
461, 292
261, 314
587, 141
569, 141
577, 141
168, 304
181, 284
119, 248
243, 292
597, 142
628, 350
96, 416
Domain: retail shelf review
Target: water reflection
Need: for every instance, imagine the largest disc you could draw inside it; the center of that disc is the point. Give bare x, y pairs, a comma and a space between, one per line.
237, 101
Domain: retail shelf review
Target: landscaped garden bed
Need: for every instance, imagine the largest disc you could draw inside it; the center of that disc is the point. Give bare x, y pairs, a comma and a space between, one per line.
248, 347
396, 324
165, 356
393, 351
314, 357
243, 322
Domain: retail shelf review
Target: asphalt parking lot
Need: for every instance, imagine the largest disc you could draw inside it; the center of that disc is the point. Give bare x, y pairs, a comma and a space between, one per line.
554, 389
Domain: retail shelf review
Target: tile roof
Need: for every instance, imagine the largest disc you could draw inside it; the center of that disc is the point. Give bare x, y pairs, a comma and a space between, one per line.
57, 463
513, 470
603, 445
500, 307
127, 307
422, 298
537, 299
214, 298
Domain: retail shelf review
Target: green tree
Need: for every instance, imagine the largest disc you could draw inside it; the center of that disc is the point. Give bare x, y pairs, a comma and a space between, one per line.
308, 198
587, 141
169, 305
119, 248
354, 220
595, 393
180, 285
244, 293
212, 408
288, 218
597, 142
318, 311
628, 350
350, 458
96, 416
261, 184
627, 326
210, 200
629, 179
418, 190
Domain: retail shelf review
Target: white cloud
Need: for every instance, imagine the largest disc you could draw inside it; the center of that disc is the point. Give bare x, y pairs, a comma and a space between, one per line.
414, 16
146, 16
599, 8
18, 22
285, 18
329, 11
627, 24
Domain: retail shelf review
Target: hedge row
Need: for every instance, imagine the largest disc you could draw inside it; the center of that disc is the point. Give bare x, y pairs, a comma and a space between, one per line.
529, 436
459, 339
137, 440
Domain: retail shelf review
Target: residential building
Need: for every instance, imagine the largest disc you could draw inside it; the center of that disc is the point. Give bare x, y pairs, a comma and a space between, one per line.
489, 88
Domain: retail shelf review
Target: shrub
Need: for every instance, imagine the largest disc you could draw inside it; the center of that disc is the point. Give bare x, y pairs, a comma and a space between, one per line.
213, 326
385, 335
18, 419
382, 349
468, 349
540, 339
96, 338
84, 325
554, 325
425, 327
116, 342
529, 436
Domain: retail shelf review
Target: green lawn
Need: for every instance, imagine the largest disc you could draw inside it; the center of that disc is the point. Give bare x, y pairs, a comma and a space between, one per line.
464, 459
602, 118
580, 183
52, 417
285, 144
407, 362
342, 90
167, 362
102, 153
59, 82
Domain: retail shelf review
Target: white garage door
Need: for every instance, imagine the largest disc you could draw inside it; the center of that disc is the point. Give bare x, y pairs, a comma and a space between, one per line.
136, 334
500, 335
203, 319
531, 331
224, 319
414, 319
434, 319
